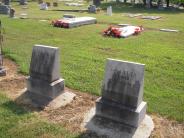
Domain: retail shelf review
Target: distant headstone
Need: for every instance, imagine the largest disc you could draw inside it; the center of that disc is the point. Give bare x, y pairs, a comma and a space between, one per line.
44, 83
4, 9
97, 3
69, 16
23, 2
92, 9
122, 93
12, 13
48, 4
148, 4
43, 6
55, 4
109, 10
7, 2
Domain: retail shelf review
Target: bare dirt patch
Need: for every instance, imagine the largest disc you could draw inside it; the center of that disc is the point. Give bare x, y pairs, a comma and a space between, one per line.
13, 82
165, 128
72, 115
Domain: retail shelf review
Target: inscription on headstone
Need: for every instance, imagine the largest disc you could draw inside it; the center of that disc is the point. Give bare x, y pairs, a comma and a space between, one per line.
122, 93
123, 82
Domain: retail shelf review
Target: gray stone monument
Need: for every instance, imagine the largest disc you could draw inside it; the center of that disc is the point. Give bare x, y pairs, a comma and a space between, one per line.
23, 2
122, 93
92, 9
12, 13
7, 2
44, 83
4, 9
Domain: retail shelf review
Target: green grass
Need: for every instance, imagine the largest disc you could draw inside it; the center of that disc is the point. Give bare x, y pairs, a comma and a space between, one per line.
84, 51
18, 123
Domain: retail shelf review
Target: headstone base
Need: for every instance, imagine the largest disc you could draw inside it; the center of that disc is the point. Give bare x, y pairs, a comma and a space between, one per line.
40, 102
42, 92
114, 129
2, 71
118, 112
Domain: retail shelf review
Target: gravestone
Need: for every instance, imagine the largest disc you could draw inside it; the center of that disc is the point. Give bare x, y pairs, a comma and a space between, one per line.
6, 2
23, 2
4, 9
92, 9
55, 4
96, 3
48, 4
109, 10
148, 4
12, 13
44, 83
43, 6
69, 16
122, 93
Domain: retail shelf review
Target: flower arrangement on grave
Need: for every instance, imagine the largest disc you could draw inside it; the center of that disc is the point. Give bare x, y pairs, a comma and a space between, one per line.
125, 31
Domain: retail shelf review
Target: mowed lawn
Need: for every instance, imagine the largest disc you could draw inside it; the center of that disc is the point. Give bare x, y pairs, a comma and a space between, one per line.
83, 51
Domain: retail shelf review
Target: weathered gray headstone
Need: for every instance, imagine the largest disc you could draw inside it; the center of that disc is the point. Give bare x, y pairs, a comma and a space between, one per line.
44, 83
4, 9
6, 2
148, 4
12, 13
96, 3
122, 93
23, 2
92, 9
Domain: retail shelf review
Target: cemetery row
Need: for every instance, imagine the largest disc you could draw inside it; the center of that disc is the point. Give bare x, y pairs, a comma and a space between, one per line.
121, 105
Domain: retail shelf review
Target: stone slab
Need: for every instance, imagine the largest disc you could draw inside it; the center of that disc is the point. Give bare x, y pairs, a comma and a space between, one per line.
45, 63
116, 130
169, 30
44, 88
122, 114
62, 100
123, 82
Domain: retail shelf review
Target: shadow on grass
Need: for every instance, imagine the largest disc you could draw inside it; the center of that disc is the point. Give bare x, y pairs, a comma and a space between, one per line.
32, 102
14, 108
138, 8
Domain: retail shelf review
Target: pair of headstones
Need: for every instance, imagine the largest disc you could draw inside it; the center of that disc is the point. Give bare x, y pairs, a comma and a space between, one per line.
122, 89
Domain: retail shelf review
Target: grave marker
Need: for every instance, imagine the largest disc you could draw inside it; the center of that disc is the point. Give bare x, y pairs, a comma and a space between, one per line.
122, 93
44, 83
